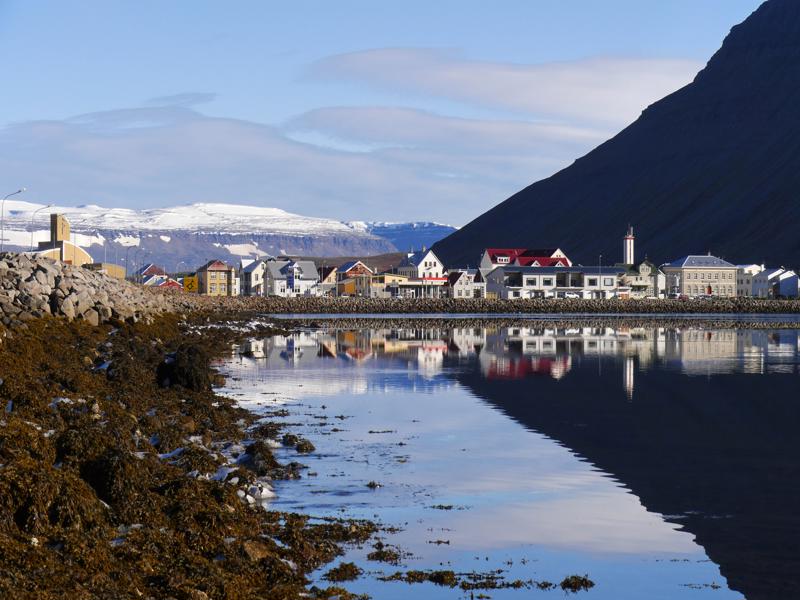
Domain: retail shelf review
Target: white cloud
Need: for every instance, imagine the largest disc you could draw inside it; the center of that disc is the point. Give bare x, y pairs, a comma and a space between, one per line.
425, 165
601, 89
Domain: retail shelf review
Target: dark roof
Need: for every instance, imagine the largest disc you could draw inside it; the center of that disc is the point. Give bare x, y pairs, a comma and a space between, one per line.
700, 260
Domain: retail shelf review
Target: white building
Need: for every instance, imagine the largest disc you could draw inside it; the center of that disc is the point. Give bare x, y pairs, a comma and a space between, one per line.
423, 264
466, 283
744, 279
253, 277
556, 282
291, 278
763, 282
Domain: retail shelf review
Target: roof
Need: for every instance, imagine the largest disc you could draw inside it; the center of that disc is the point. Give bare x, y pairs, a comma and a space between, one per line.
543, 261
253, 266
278, 269
699, 261
325, 271
350, 264
215, 265
416, 258
558, 270
513, 253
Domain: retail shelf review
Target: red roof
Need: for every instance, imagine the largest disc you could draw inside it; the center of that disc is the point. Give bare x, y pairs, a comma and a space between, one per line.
527, 256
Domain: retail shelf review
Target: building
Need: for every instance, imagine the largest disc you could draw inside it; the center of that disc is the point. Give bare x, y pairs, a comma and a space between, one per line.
327, 280
252, 275
59, 246
646, 280
466, 283
110, 269
427, 276
291, 278
744, 279
523, 257
352, 269
763, 282
148, 270
215, 278
787, 285
700, 275
515, 282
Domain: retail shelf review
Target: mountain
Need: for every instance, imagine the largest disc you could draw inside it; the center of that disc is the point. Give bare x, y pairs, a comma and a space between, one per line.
407, 236
715, 166
184, 237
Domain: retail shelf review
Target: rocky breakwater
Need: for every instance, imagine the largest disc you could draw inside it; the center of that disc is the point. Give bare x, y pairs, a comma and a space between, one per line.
32, 287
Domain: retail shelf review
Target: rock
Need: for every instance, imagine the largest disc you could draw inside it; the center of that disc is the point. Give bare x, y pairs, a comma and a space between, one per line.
255, 550
92, 317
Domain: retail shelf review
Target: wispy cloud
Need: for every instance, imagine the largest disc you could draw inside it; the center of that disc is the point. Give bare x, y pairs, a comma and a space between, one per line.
601, 89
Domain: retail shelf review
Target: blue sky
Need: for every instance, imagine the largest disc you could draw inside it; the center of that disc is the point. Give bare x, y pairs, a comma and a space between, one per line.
355, 110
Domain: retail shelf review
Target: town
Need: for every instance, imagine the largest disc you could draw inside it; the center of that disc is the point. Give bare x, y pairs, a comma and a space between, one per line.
501, 273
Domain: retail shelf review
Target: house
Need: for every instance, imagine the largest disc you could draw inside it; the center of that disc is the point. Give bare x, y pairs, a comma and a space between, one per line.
154, 280
253, 277
351, 269
327, 280
523, 257
425, 268
700, 275
148, 270
59, 246
646, 280
291, 278
466, 283
216, 278
763, 282
171, 284
787, 285
514, 282
744, 279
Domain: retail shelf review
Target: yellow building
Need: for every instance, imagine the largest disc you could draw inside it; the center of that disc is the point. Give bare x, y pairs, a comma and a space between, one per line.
217, 279
110, 269
59, 246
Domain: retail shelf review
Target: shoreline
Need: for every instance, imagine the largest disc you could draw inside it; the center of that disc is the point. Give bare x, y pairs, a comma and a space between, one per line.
124, 473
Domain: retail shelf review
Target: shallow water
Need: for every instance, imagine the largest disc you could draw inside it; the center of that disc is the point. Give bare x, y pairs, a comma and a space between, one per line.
660, 462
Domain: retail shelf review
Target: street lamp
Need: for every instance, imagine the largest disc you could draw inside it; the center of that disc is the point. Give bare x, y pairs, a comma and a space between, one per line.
3, 215
33, 216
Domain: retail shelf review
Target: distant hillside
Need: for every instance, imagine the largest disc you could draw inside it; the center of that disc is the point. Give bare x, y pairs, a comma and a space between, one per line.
184, 237
407, 237
714, 167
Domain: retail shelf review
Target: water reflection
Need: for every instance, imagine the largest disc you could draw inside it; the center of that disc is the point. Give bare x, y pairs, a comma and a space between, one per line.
587, 441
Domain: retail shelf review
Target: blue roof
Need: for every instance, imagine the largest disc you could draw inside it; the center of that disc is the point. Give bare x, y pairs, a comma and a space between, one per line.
699, 260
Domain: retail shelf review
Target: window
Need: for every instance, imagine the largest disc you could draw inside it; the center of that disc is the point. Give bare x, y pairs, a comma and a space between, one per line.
547, 281
530, 281
515, 294
608, 281
502, 259
212, 275
213, 287
591, 281
716, 275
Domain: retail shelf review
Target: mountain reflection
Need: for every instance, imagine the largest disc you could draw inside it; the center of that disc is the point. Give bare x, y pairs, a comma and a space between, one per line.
700, 424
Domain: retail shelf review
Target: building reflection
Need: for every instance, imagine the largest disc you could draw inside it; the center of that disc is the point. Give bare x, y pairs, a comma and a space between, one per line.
539, 350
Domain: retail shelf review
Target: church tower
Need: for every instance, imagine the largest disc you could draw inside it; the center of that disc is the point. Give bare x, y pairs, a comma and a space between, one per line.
627, 248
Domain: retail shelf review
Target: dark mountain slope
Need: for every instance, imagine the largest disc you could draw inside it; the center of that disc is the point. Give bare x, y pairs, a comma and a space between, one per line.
714, 166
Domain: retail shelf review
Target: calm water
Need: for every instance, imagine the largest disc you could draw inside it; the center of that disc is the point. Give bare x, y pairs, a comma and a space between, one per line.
661, 462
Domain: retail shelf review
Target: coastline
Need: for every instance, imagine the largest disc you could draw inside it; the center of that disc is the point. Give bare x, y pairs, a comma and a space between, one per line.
123, 473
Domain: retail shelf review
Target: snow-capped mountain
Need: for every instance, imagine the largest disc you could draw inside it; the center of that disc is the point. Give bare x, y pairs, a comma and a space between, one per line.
183, 237
406, 236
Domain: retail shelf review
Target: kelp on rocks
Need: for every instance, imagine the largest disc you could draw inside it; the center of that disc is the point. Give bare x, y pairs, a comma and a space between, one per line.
111, 443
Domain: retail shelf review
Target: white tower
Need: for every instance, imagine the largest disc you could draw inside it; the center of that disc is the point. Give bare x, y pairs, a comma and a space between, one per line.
627, 249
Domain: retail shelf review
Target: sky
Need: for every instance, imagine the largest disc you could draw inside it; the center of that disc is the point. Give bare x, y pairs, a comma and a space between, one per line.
355, 110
